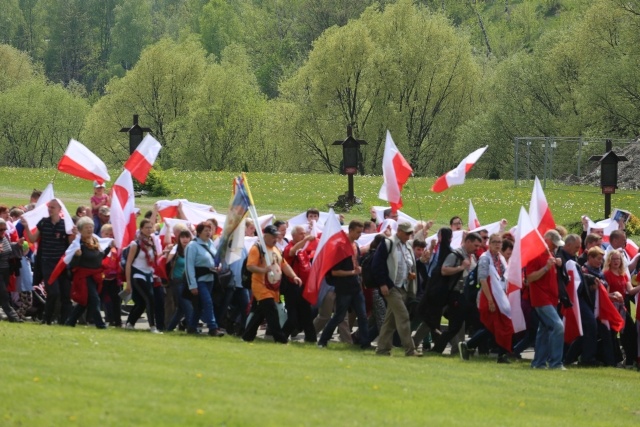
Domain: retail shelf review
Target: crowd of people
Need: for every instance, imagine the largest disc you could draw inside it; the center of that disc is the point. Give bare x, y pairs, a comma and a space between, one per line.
396, 288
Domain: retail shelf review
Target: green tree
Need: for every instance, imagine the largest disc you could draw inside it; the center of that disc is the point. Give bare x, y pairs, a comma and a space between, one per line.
36, 122
220, 25
15, 67
130, 34
159, 89
223, 116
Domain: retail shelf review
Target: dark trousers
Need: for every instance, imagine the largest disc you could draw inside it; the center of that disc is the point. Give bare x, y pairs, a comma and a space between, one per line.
184, 305
265, 309
142, 299
158, 300
236, 300
629, 340
111, 301
299, 311
59, 290
92, 308
457, 313
4, 295
343, 303
585, 346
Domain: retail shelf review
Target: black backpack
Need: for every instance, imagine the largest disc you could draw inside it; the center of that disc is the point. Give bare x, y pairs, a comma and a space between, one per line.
472, 285
245, 274
439, 286
367, 269
125, 255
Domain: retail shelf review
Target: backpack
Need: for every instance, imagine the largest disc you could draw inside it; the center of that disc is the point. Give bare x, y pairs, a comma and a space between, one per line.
439, 286
367, 270
245, 274
125, 255
472, 285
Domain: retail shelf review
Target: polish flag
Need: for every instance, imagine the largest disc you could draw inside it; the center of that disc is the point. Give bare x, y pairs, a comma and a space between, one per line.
65, 259
528, 245
473, 218
334, 246
539, 211
500, 323
606, 312
46, 196
571, 316
456, 176
123, 214
35, 215
79, 161
143, 158
396, 171
169, 208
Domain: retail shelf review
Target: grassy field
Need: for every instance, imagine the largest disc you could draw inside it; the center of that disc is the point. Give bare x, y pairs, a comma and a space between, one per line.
286, 195
82, 376
62, 376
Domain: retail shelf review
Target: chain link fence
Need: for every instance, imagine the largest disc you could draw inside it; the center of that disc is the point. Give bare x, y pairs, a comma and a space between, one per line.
560, 160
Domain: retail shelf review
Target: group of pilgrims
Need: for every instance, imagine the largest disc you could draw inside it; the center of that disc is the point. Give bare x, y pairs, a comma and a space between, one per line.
393, 282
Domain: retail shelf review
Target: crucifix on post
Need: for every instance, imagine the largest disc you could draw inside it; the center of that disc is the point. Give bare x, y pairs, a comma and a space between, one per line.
350, 159
608, 174
135, 134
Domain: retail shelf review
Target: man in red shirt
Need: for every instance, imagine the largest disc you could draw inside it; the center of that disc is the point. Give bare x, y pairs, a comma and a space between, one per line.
542, 277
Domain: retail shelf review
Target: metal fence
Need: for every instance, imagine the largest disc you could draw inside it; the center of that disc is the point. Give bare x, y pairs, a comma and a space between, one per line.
556, 160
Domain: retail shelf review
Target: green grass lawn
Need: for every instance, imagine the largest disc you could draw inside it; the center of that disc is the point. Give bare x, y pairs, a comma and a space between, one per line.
82, 376
63, 376
286, 195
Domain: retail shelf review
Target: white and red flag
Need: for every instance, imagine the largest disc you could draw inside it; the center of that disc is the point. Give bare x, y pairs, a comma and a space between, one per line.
65, 259
539, 211
42, 211
395, 171
606, 312
571, 316
123, 215
474, 222
143, 158
79, 161
528, 245
456, 176
334, 246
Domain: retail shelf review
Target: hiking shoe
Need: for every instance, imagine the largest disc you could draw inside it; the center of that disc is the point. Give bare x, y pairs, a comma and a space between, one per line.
322, 345
129, 327
464, 350
414, 353
154, 330
504, 359
217, 332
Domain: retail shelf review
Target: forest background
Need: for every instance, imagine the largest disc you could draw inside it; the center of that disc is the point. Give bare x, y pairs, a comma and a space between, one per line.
269, 85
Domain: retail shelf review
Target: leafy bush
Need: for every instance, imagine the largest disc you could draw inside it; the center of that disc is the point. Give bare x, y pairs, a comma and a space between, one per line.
155, 186
633, 226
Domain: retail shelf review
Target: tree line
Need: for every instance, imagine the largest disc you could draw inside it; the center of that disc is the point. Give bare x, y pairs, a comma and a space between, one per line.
269, 85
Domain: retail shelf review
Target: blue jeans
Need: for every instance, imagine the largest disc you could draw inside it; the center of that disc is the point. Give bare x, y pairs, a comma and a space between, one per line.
185, 308
203, 307
343, 302
550, 338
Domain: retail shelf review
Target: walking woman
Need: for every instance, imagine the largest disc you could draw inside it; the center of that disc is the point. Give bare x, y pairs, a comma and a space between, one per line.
6, 252
199, 266
87, 270
178, 283
139, 275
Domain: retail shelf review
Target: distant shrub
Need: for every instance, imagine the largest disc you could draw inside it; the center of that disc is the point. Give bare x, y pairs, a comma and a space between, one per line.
633, 226
155, 185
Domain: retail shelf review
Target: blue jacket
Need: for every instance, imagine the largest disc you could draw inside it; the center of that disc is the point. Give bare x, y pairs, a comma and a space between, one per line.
198, 254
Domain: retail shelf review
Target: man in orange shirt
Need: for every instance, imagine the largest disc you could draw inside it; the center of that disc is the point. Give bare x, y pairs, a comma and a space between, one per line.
265, 286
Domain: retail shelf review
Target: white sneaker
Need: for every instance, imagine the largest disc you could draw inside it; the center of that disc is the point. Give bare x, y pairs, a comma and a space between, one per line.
154, 330
129, 326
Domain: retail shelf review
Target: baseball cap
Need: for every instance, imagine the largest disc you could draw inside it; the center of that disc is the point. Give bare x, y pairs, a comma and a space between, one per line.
405, 227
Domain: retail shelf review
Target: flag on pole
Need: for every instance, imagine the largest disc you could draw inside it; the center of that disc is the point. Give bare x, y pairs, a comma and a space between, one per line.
528, 245
334, 246
143, 158
238, 209
79, 161
395, 171
456, 176
473, 218
539, 211
571, 316
123, 215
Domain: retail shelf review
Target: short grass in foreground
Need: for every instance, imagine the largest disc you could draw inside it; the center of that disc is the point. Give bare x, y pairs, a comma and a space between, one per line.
286, 195
58, 376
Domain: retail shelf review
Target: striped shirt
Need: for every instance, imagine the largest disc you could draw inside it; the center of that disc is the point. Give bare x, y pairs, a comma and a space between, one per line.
53, 239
